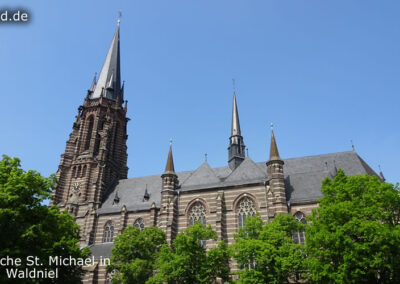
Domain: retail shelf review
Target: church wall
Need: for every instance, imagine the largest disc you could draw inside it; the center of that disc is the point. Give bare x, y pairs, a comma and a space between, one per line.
304, 208
231, 197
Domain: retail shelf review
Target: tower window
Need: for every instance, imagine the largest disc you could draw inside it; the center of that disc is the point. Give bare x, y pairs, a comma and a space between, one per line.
78, 174
299, 237
245, 208
108, 234
89, 133
139, 223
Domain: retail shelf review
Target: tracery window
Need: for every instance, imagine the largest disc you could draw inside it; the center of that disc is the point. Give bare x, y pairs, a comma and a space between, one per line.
197, 213
139, 223
299, 237
245, 208
108, 234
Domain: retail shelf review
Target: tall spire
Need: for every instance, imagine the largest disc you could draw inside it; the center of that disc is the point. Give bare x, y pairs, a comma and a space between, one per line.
236, 149
110, 75
235, 130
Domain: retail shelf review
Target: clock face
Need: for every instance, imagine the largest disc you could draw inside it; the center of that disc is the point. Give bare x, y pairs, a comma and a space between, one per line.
76, 186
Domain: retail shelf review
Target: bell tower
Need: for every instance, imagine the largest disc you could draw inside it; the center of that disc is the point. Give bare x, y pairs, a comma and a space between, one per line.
95, 156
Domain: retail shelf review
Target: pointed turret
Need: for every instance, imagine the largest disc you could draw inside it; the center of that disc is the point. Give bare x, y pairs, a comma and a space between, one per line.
273, 152
109, 83
169, 177
169, 167
276, 180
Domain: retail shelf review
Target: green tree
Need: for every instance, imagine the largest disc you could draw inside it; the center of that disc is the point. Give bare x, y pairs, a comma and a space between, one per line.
29, 228
190, 262
267, 253
134, 254
354, 236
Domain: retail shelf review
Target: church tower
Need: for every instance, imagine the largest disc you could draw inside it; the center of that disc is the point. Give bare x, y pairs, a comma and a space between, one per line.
236, 154
95, 156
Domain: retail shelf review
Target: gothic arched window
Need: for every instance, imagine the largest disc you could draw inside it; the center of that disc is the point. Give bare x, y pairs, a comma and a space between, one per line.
139, 223
108, 234
89, 133
84, 170
197, 213
299, 236
78, 174
245, 208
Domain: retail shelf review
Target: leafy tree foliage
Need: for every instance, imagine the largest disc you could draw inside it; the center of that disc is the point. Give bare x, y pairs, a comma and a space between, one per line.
354, 235
190, 262
134, 254
267, 253
29, 228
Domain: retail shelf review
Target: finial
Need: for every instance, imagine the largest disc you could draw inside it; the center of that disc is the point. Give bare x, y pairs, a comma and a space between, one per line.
379, 166
119, 16
170, 141
271, 126
247, 152
352, 145
205, 157
233, 84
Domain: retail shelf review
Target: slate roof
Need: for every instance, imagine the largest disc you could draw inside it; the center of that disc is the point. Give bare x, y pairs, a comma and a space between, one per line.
101, 250
303, 177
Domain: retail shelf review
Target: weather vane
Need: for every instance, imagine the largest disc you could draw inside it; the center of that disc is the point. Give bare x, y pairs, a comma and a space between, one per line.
233, 84
272, 126
119, 16
170, 141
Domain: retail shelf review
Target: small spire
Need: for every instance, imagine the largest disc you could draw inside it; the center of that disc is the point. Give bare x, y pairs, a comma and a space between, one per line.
235, 118
247, 152
352, 145
273, 152
94, 82
205, 157
169, 167
382, 177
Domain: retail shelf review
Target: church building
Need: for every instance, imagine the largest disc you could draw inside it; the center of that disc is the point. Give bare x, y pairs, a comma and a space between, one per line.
93, 184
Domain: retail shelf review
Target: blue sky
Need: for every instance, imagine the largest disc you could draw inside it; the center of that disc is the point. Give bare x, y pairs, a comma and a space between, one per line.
324, 72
